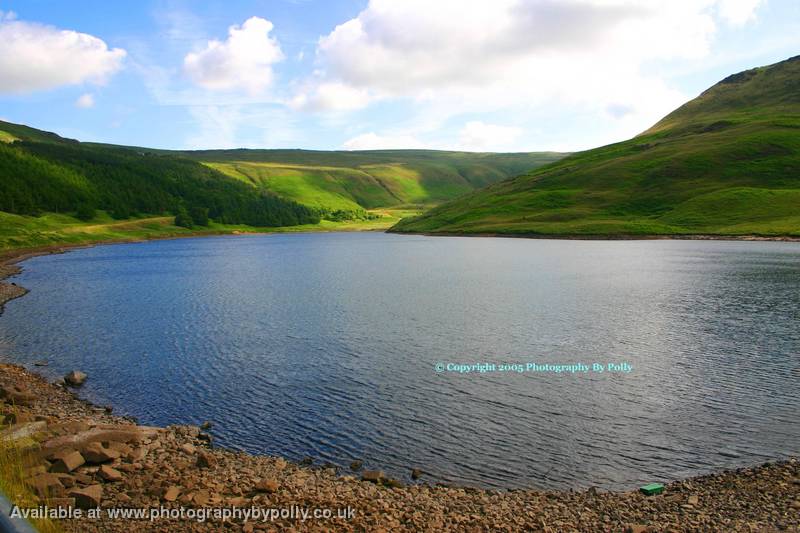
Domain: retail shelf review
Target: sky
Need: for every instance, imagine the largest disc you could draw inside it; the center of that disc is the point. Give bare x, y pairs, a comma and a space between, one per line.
477, 75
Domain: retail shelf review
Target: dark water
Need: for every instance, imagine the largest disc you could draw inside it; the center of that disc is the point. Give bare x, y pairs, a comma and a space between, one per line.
327, 345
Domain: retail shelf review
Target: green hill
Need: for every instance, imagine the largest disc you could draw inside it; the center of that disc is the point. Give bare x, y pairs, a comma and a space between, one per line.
725, 163
358, 180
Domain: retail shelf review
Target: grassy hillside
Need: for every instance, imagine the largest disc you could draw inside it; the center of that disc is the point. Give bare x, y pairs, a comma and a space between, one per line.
351, 181
726, 163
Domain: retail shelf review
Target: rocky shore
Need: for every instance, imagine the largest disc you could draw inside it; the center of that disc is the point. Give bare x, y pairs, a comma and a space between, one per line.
83, 457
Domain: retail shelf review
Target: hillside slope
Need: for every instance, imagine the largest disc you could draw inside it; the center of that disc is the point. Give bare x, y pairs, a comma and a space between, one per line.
370, 179
726, 163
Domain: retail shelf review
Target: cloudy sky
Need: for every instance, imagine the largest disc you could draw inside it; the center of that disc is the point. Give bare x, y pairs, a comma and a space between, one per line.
484, 75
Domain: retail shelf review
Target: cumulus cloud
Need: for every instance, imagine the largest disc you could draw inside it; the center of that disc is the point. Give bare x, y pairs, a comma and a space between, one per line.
37, 57
373, 141
85, 101
594, 56
738, 12
243, 61
478, 136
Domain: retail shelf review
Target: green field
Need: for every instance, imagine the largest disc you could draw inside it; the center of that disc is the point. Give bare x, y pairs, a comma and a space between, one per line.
23, 232
726, 163
351, 181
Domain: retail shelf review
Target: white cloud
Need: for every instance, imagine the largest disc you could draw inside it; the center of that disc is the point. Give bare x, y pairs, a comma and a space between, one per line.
481, 137
243, 61
373, 141
331, 96
85, 101
596, 58
738, 12
37, 57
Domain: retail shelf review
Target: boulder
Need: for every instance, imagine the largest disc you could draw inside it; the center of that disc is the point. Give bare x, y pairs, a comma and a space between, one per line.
17, 395
188, 448
267, 485
109, 474
96, 453
126, 433
356, 465
172, 493
76, 378
87, 497
205, 459
416, 473
66, 461
46, 485
374, 476
21, 431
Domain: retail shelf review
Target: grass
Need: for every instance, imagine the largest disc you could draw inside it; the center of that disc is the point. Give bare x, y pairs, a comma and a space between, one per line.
726, 164
7, 137
350, 181
22, 232
14, 460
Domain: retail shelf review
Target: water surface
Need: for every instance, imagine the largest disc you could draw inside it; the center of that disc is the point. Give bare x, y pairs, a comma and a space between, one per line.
327, 345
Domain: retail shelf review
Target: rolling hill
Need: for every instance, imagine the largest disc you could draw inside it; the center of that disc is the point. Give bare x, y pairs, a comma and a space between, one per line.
725, 163
358, 180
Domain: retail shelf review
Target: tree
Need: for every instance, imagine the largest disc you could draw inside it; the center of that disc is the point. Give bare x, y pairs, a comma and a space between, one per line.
183, 219
199, 216
85, 212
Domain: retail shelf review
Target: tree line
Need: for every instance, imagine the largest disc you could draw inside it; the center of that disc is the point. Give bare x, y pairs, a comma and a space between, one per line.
79, 179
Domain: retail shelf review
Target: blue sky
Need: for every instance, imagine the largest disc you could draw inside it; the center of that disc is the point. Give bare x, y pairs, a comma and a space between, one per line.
483, 75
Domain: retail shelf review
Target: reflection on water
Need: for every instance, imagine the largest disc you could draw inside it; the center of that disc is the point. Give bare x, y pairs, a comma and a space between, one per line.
327, 344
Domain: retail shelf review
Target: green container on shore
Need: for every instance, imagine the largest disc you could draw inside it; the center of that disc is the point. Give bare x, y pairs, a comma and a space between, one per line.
652, 488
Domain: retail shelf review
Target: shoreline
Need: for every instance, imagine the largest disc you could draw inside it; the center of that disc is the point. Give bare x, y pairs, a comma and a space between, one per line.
691, 504
121, 465
611, 237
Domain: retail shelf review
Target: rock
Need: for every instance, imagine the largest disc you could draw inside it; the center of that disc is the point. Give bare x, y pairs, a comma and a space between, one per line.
63, 503
172, 493
109, 474
356, 465
267, 485
96, 453
205, 436
121, 447
637, 528
21, 431
416, 473
66, 461
796, 504
205, 426
206, 459
46, 485
88, 497
67, 480
40, 362
137, 454
393, 483
374, 476
76, 378
102, 433
201, 497
307, 461
188, 448
17, 395
693, 500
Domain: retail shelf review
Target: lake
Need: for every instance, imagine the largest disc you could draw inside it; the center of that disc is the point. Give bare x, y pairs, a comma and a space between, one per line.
391, 349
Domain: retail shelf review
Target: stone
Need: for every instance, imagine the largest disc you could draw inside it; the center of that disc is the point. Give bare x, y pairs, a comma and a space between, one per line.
693, 500
393, 483
66, 461
267, 485
63, 503
96, 453
205, 426
109, 474
21, 431
67, 480
87, 497
17, 396
201, 497
172, 493
356, 465
102, 433
374, 476
416, 473
40, 362
46, 485
76, 378
188, 448
137, 454
206, 459
637, 528
121, 447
